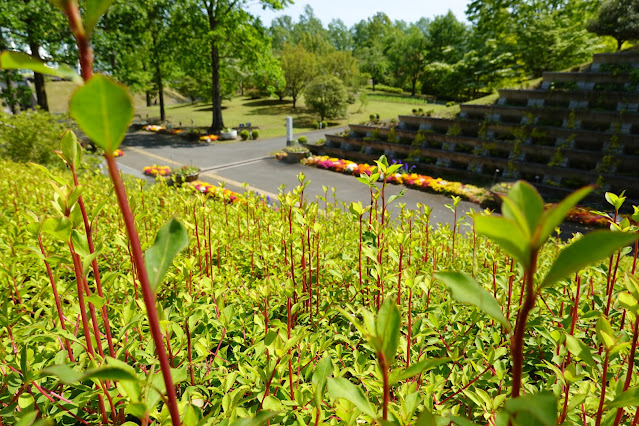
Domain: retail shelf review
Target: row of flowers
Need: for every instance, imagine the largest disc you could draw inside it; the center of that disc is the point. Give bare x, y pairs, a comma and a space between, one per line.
177, 131
156, 170
215, 191
412, 180
471, 193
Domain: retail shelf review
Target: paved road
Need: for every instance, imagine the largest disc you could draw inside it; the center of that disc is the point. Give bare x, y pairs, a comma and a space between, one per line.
252, 162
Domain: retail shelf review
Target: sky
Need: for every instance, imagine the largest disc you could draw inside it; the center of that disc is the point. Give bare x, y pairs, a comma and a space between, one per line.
353, 11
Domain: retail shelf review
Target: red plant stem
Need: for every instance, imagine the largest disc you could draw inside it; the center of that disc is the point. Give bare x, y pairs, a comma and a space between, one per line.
634, 261
452, 255
84, 47
465, 387
359, 259
399, 277
288, 336
631, 364
604, 382
612, 282
517, 345
147, 293
94, 265
190, 353
511, 279
410, 326
383, 366
83, 313
317, 274
199, 247
56, 296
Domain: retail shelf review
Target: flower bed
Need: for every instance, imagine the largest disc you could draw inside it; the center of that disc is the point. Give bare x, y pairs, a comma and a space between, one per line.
412, 180
156, 170
118, 153
154, 128
208, 138
216, 191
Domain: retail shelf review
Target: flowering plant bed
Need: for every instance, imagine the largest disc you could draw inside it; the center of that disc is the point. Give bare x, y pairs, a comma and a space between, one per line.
208, 138
118, 153
156, 170
412, 180
154, 128
216, 191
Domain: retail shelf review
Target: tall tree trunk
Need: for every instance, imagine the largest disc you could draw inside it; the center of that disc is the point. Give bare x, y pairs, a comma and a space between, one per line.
619, 44
8, 94
413, 85
158, 75
217, 124
149, 101
38, 78
160, 83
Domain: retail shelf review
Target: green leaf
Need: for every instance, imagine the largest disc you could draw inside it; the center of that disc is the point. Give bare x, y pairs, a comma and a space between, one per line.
10, 60
322, 371
260, 419
58, 227
540, 407
70, 148
604, 333
585, 251
342, 388
387, 326
554, 216
579, 349
426, 418
506, 233
415, 369
466, 290
112, 372
66, 374
103, 109
529, 204
170, 240
94, 10
629, 398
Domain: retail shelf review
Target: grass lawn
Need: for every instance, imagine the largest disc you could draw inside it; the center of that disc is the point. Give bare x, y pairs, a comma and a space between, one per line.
269, 115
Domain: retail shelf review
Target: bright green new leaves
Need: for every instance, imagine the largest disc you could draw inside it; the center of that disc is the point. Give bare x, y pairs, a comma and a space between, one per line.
114, 370
387, 325
341, 388
554, 216
103, 109
506, 233
70, 148
415, 369
525, 226
466, 290
260, 419
382, 332
57, 227
322, 371
94, 10
169, 241
585, 251
534, 409
605, 335
21, 61
629, 398
579, 349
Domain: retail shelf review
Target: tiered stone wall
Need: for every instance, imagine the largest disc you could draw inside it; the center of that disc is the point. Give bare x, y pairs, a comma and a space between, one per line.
576, 128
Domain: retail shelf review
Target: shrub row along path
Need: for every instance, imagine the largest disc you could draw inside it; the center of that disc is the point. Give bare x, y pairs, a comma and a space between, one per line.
252, 162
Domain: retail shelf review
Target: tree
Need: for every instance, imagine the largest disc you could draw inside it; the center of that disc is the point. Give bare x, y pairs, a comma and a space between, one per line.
228, 32
339, 35
446, 38
370, 39
37, 28
408, 56
327, 96
618, 19
299, 69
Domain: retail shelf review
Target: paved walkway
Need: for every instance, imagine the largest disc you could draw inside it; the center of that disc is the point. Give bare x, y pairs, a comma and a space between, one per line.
252, 162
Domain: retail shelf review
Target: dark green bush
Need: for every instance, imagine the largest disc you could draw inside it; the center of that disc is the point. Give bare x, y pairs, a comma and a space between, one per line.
255, 134
315, 125
302, 139
30, 136
244, 134
324, 124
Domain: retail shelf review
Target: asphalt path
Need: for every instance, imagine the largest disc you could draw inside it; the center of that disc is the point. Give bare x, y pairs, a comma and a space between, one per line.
251, 165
